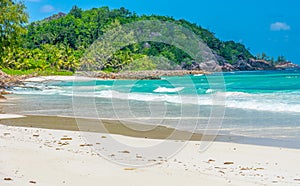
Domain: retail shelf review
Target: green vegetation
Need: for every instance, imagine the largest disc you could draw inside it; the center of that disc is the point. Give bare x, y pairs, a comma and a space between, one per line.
56, 44
12, 19
46, 72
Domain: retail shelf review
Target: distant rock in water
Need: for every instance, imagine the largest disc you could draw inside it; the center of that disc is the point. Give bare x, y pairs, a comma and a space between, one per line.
254, 64
260, 64
287, 65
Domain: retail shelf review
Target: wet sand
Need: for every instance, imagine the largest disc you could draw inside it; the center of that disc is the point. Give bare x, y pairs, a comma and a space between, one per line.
104, 126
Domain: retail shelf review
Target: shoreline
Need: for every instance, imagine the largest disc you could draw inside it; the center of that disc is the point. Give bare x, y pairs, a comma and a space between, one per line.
128, 75
141, 75
127, 129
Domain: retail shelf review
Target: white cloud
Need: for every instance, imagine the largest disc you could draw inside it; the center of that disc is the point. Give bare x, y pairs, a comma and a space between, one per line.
47, 8
278, 26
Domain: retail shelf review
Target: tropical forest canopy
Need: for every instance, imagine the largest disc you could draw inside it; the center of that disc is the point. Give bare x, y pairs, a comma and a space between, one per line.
58, 43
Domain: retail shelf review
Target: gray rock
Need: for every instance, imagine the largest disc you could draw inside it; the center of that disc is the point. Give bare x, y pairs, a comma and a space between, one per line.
243, 65
260, 64
210, 66
228, 67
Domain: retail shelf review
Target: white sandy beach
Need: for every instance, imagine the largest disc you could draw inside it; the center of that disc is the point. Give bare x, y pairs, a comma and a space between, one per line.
32, 156
58, 78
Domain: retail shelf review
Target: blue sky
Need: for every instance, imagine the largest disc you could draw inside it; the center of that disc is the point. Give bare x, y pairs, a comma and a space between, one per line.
262, 25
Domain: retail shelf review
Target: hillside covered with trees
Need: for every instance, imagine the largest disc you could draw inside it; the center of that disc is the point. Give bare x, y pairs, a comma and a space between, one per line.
57, 44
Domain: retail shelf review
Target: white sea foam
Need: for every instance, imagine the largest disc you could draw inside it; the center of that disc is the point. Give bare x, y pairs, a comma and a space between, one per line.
285, 102
138, 96
168, 90
263, 105
209, 91
29, 91
279, 132
10, 116
237, 94
260, 102
233, 100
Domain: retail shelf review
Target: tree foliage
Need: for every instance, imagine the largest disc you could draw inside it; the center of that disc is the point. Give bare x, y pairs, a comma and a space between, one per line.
12, 20
60, 41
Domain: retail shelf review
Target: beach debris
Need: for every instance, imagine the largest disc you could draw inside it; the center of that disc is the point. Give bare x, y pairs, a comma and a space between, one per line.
223, 168
65, 139
8, 179
297, 179
124, 151
211, 161
35, 135
33, 182
6, 133
129, 169
62, 144
138, 156
256, 169
103, 137
228, 163
246, 168
86, 145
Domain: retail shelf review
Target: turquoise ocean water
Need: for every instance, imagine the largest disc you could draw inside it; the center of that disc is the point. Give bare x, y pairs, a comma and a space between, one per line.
253, 107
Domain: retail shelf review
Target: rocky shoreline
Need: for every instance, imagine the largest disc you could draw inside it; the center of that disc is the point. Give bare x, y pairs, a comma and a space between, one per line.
254, 64
8, 81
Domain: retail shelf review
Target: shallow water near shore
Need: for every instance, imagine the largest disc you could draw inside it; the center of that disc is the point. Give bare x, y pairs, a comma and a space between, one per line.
260, 107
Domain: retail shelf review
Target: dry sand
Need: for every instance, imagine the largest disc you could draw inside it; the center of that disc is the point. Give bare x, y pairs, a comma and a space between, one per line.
32, 156
58, 78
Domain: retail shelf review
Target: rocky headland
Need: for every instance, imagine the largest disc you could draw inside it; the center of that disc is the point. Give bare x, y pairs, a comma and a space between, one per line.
254, 64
